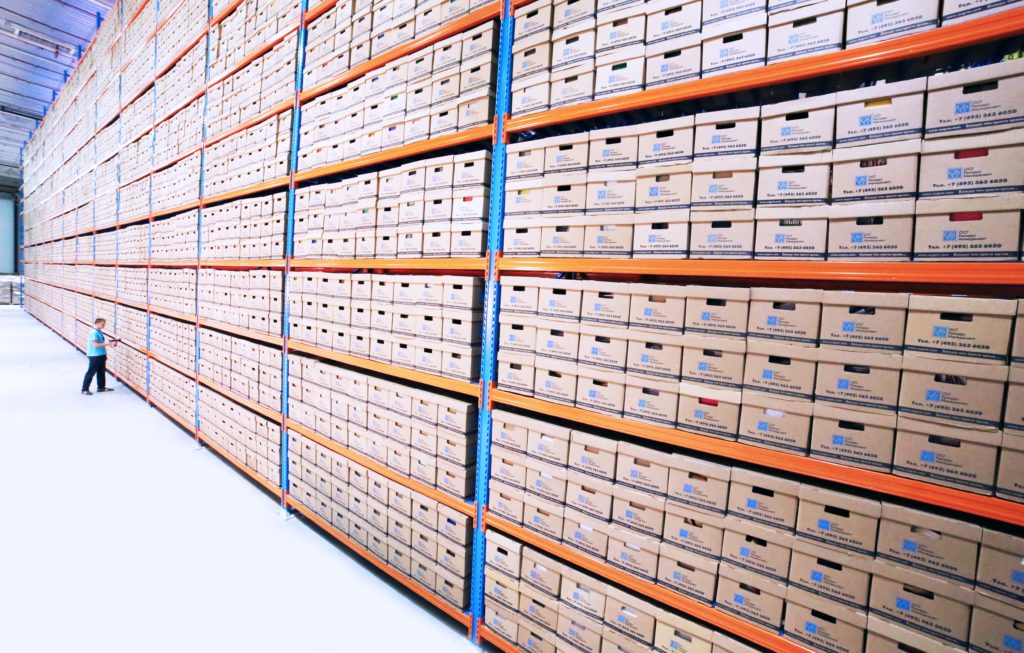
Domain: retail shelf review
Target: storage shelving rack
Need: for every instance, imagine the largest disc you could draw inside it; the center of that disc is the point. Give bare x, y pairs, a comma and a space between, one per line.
491, 266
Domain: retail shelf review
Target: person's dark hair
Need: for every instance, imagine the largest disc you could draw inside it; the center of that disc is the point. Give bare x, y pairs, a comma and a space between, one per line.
99, 319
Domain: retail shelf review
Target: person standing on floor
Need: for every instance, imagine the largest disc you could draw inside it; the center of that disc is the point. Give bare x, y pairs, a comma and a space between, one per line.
96, 351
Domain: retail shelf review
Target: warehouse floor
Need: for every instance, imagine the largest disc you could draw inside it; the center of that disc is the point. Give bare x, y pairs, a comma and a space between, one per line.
121, 535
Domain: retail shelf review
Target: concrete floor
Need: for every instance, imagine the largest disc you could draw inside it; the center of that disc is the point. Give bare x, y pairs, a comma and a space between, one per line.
121, 535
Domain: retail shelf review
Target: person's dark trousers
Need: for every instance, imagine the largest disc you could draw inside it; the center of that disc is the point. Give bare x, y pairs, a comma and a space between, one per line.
97, 368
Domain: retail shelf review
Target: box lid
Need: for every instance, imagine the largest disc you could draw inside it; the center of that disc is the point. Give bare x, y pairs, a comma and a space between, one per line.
783, 349
987, 203
855, 504
702, 391
882, 90
763, 583
807, 103
638, 381
728, 115
594, 441
853, 616
974, 305
659, 337
680, 622
724, 164
1006, 138
606, 17
553, 365
719, 292
668, 216
805, 159
809, 295
659, 290
776, 403
576, 70
990, 437
726, 644
739, 24
712, 470
874, 299
622, 54
1003, 542
811, 212
645, 453
769, 481
916, 640
870, 358
695, 560
908, 576
728, 215
973, 75
613, 174
896, 148
808, 11
840, 556
701, 341
747, 527
682, 122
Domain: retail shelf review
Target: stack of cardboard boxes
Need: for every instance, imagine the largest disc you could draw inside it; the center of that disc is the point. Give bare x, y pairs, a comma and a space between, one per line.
423, 435
171, 340
426, 94
250, 157
430, 324
245, 229
172, 289
416, 535
184, 79
247, 299
133, 202
179, 133
132, 284
542, 605
179, 25
262, 84
566, 54
784, 555
176, 393
696, 186
251, 439
250, 26
249, 369
434, 207
824, 373
124, 361
174, 238
177, 184
130, 326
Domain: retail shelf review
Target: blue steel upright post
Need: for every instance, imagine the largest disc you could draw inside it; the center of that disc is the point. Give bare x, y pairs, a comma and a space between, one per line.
289, 244
199, 218
488, 357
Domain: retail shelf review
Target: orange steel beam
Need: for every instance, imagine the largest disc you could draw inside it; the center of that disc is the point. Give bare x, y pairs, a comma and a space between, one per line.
895, 272
897, 486
982, 30
497, 641
474, 264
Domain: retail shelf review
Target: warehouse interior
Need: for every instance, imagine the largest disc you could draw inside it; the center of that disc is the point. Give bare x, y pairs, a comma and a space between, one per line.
550, 326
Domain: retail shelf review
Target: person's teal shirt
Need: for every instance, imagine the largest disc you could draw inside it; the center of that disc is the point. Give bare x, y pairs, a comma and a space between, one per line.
93, 350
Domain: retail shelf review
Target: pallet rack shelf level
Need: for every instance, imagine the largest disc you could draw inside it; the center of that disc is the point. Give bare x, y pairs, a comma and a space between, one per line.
990, 507
396, 264
253, 406
268, 338
432, 380
452, 502
980, 30
398, 576
895, 272
464, 137
171, 364
721, 620
223, 453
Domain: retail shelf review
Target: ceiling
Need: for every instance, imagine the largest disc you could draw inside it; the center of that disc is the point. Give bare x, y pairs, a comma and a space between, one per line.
40, 43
